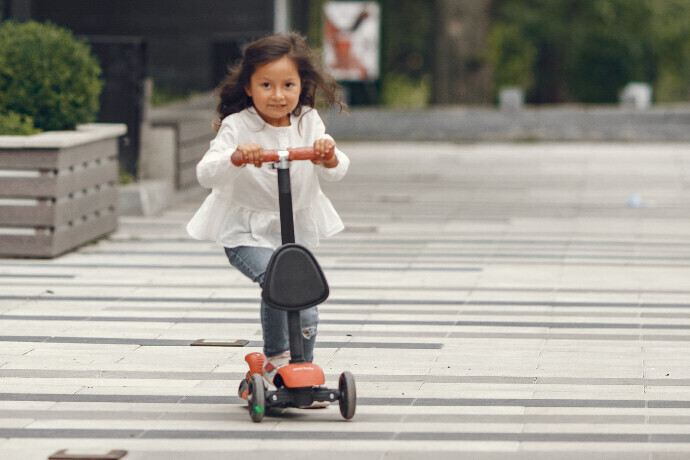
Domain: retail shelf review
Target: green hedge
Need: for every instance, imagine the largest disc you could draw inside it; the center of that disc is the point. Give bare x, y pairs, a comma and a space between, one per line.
47, 75
14, 124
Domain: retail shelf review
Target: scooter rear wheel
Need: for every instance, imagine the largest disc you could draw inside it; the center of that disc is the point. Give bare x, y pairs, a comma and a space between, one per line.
348, 395
256, 400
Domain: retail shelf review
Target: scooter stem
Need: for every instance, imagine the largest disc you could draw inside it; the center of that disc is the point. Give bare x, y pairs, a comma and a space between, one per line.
287, 226
287, 231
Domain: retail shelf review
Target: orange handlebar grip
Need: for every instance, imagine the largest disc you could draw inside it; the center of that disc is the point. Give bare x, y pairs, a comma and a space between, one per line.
295, 154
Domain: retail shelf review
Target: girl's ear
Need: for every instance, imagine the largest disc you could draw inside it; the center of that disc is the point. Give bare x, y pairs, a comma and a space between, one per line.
248, 90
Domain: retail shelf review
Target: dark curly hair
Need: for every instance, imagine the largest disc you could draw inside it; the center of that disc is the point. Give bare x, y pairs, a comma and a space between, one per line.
233, 97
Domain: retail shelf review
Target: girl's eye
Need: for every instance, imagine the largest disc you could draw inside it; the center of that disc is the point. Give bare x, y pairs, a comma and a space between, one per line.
289, 85
266, 85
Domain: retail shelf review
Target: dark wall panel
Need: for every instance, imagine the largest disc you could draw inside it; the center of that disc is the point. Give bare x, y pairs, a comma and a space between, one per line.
182, 36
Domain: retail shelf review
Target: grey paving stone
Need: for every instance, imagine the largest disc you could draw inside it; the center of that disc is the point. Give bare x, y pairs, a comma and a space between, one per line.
492, 301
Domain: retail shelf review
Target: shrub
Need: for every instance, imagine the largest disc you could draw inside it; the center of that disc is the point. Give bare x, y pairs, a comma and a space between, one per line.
47, 75
573, 51
512, 56
14, 124
403, 92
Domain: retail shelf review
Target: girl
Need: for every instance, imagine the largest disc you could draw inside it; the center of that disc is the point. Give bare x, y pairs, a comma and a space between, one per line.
268, 102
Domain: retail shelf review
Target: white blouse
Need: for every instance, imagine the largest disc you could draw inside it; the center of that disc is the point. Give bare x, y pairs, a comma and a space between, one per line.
242, 209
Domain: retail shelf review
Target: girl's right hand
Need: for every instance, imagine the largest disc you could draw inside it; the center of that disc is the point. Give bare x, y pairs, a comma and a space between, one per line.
252, 153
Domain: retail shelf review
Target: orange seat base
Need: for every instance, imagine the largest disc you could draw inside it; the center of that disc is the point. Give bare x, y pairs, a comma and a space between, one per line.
301, 375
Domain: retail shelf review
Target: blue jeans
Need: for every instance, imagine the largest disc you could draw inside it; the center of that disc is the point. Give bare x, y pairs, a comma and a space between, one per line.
252, 261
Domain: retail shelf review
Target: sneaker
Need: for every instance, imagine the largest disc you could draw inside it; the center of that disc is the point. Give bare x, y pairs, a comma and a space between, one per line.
317, 405
272, 365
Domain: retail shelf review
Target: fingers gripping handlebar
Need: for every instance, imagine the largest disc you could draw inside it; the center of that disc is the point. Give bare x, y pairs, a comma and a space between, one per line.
301, 153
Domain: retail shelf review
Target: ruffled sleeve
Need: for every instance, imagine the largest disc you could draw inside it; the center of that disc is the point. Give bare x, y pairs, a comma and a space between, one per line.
215, 168
337, 173
319, 132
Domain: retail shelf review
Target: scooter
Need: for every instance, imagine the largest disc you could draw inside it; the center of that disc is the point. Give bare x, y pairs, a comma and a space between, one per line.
293, 282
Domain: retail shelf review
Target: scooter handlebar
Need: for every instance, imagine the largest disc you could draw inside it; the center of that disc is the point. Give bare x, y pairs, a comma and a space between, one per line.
271, 156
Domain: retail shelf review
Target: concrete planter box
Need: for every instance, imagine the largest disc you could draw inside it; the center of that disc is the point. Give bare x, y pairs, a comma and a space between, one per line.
58, 190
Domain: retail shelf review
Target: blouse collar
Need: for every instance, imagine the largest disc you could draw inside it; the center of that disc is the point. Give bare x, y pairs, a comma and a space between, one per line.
255, 122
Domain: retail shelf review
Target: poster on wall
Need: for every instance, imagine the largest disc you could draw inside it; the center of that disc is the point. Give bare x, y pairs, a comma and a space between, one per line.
351, 40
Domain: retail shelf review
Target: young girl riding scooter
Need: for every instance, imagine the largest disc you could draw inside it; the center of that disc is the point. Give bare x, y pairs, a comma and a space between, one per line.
268, 102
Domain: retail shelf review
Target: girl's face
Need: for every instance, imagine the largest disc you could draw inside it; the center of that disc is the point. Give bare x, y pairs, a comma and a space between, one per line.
275, 88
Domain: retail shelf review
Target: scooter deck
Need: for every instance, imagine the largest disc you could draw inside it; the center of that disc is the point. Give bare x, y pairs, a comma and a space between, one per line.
293, 397
300, 397
298, 384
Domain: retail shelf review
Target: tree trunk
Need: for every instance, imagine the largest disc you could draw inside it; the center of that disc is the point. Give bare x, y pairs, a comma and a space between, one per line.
461, 71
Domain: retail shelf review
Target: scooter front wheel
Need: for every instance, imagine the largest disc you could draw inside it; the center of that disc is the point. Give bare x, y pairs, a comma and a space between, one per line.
348, 395
256, 399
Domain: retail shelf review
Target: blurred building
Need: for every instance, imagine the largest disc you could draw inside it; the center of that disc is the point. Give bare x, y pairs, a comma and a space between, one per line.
188, 43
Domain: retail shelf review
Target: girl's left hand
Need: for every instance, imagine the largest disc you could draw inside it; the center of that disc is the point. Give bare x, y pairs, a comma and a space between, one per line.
323, 147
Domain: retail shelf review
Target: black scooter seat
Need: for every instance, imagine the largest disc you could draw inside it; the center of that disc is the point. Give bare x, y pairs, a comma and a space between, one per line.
294, 280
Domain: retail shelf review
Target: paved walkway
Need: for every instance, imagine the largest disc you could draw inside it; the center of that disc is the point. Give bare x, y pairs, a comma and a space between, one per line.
502, 301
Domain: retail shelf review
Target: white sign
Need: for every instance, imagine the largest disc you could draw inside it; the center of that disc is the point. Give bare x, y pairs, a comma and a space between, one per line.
351, 40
